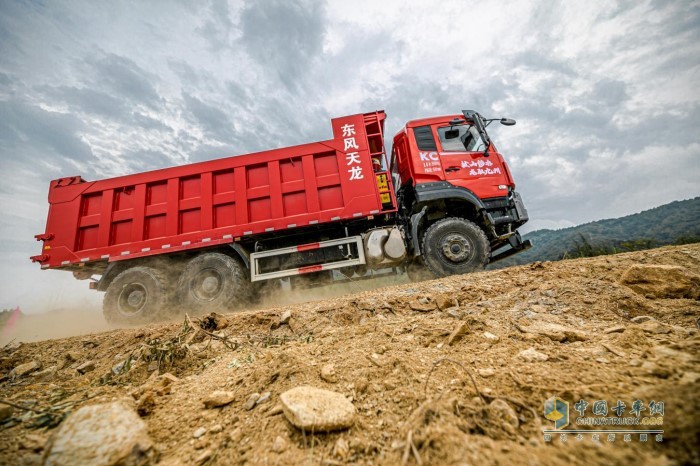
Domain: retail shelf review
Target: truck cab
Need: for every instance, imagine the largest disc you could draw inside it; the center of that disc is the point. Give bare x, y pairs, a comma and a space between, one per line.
447, 167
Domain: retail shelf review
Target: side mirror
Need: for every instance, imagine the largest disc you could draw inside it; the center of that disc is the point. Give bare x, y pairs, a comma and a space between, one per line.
507, 122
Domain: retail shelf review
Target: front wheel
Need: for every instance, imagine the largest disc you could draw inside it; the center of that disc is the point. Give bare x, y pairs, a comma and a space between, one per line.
213, 282
454, 246
137, 295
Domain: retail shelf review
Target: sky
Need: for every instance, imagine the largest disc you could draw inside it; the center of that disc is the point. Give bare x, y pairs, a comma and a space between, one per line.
605, 94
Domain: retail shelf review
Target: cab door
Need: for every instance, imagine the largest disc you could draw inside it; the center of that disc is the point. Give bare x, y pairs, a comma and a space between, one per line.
465, 163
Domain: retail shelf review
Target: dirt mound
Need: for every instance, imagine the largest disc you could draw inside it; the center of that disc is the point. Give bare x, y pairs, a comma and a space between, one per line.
451, 371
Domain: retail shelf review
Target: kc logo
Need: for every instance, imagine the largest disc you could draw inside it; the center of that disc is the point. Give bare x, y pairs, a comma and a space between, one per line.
426, 156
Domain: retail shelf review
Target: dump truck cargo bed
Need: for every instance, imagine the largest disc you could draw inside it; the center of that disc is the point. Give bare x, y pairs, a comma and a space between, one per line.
219, 201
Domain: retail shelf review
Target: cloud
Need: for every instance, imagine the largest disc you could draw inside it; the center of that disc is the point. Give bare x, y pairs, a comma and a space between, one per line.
284, 37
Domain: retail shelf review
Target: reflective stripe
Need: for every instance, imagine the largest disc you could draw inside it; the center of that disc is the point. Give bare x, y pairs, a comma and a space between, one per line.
125, 253
206, 240
145, 249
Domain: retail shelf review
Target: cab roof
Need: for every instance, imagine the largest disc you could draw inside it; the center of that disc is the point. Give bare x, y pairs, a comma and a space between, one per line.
433, 120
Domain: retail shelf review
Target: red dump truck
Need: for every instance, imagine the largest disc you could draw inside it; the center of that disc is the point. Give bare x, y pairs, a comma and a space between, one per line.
206, 235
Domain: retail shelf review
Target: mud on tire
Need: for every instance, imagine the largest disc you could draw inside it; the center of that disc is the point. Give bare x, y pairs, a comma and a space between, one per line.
137, 295
454, 246
213, 282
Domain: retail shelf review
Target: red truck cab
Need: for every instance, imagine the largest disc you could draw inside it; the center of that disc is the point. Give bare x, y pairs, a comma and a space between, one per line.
448, 166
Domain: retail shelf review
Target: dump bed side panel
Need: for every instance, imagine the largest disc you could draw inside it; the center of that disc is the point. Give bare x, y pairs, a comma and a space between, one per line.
215, 202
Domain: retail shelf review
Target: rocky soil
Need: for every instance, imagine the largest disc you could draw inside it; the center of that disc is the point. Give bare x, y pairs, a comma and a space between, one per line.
451, 371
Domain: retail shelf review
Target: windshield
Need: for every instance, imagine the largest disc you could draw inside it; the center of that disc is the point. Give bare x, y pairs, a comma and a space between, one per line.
460, 139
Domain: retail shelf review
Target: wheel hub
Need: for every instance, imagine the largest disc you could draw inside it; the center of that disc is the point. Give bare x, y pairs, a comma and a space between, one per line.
456, 248
208, 285
132, 299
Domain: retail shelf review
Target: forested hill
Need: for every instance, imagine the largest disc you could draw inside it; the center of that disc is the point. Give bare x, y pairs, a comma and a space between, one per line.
674, 223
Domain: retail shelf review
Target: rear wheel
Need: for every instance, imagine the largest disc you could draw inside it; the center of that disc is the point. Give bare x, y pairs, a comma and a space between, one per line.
213, 282
454, 246
137, 295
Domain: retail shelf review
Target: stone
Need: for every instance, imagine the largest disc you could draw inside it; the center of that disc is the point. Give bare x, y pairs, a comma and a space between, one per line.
69, 358
458, 333
641, 319
486, 372
532, 355
6, 412
203, 457
615, 329
341, 449
662, 281
25, 369
555, 332
145, 404
328, 373
689, 378
218, 398
655, 327
86, 367
263, 398
422, 305
445, 302
32, 442
285, 316
490, 336
215, 429
250, 401
317, 410
500, 410
101, 434
279, 445
199, 432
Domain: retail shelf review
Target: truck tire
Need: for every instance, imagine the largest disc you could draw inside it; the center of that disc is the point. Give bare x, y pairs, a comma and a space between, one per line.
137, 295
454, 246
213, 282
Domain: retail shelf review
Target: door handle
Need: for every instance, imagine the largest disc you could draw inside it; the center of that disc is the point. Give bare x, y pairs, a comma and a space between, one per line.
451, 169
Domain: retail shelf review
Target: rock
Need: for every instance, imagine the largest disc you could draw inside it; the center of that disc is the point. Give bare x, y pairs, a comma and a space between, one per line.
641, 319
25, 369
490, 336
6, 412
555, 332
454, 312
263, 398
655, 327
279, 445
689, 378
422, 305
445, 302
215, 429
341, 449
250, 401
317, 410
500, 410
214, 322
275, 410
145, 404
69, 358
199, 432
458, 333
203, 457
328, 373
32, 442
602, 360
218, 398
86, 367
662, 281
201, 443
532, 355
486, 372
615, 329
285, 316
657, 370
633, 338
101, 434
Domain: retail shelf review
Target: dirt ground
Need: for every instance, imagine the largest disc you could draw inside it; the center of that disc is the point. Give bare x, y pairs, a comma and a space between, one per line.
435, 370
